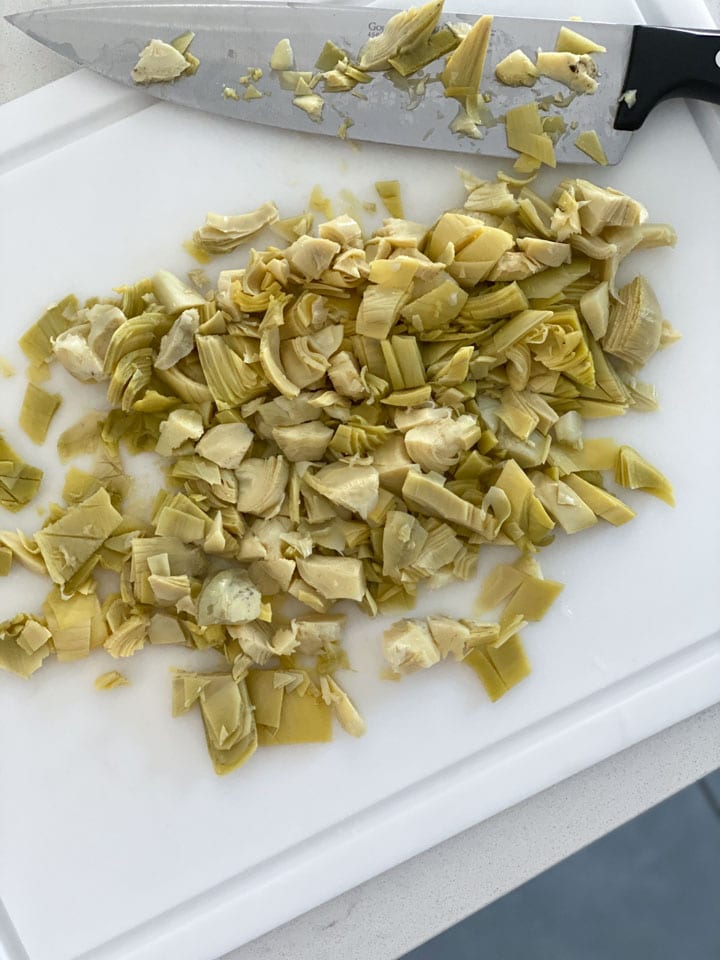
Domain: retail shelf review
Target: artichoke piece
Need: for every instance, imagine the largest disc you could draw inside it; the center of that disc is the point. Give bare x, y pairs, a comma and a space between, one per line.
310, 103
38, 409
602, 503
304, 716
517, 70
438, 445
70, 545
484, 196
402, 544
226, 444
635, 324
379, 310
575, 70
528, 522
6, 560
230, 379
546, 252
37, 342
262, 485
404, 32
595, 309
607, 207
82, 437
568, 41
111, 680
563, 504
19, 482
334, 696
500, 301
524, 132
180, 427
464, 68
282, 57
179, 341
438, 44
456, 638
354, 486
408, 646
389, 193
635, 473
517, 327
551, 282
76, 624
434, 309
334, 578
303, 441
24, 645
589, 142
428, 497
159, 62
228, 597
222, 234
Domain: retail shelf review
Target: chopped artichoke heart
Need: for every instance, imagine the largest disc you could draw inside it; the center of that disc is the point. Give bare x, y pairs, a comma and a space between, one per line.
589, 142
464, 68
517, 70
575, 70
159, 62
569, 41
403, 33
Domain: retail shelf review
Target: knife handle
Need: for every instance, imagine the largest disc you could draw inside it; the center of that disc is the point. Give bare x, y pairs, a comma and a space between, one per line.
667, 63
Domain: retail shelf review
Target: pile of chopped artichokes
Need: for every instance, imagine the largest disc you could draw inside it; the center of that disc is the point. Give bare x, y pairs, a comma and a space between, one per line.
344, 418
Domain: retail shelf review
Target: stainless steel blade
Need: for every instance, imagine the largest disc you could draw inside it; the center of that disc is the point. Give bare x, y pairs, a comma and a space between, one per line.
230, 38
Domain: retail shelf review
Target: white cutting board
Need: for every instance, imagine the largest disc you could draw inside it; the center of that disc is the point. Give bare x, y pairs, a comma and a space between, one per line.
116, 839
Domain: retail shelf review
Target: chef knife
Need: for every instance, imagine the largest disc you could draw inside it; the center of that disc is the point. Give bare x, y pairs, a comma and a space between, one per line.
234, 41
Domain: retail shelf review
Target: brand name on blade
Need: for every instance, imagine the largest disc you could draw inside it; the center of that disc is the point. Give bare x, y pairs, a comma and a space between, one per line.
374, 29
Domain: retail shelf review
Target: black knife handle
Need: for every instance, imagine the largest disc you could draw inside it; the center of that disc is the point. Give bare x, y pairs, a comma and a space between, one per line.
667, 63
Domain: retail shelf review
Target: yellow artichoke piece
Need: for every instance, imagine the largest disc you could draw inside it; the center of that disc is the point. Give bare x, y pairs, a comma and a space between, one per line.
464, 68
72, 542
606, 207
408, 646
82, 437
159, 62
517, 70
563, 504
595, 309
282, 57
635, 473
635, 324
36, 343
6, 560
578, 71
589, 142
551, 282
334, 696
403, 33
19, 482
76, 624
437, 45
549, 253
304, 718
262, 485
334, 578
222, 234
569, 41
38, 409
303, 441
528, 521
24, 645
524, 133
602, 503
389, 193
111, 680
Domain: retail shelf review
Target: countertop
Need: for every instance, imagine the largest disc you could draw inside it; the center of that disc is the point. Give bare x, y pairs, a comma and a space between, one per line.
396, 911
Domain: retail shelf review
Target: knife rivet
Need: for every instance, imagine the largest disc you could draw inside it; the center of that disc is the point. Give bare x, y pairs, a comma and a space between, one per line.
717, 59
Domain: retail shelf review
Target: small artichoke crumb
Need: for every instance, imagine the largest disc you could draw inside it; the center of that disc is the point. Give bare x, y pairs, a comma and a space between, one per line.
111, 680
159, 62
517, 70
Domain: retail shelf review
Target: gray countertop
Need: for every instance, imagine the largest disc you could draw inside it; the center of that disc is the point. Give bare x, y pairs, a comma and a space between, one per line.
385, 917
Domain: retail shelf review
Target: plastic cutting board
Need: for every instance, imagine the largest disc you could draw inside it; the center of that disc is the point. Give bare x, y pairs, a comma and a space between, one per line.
116, 840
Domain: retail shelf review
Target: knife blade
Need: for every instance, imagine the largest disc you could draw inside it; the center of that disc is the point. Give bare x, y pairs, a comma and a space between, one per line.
232, 38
